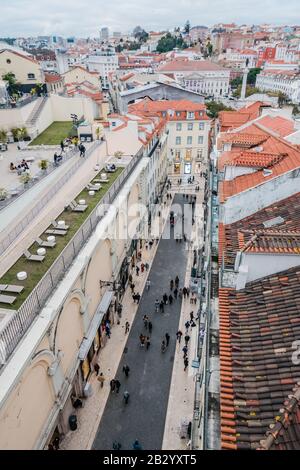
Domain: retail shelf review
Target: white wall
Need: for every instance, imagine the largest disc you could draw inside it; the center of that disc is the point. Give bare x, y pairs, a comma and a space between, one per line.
15, 117
252, 200
262, 264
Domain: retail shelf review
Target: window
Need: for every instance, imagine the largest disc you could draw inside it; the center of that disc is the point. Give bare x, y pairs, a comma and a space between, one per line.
178, 113
177, 155
178, 126
8, 61
199, 155
190, 126
201, 126
178, 140
30, 76
200, 139
188, 155
190, 115
113, 124
189, 140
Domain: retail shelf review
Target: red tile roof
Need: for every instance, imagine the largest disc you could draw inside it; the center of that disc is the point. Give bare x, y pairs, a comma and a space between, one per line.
233, 119
272, 145
278, 124
189, 66
258, 327
52, 78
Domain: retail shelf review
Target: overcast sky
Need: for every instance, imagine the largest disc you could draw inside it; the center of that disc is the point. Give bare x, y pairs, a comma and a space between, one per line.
83, 18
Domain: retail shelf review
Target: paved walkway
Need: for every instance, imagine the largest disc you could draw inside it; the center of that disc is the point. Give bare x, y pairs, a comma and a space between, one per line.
149, 382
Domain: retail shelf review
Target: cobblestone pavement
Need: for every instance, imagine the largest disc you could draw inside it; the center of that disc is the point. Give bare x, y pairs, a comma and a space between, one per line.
151, 370
178, 404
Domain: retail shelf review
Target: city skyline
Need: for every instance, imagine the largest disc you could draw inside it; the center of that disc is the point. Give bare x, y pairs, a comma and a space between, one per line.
20, 18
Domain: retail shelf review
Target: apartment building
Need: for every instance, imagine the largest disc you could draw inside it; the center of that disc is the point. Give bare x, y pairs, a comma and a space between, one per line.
103, 61
201, 76
287, 82
189, 129
50, 343
27, 71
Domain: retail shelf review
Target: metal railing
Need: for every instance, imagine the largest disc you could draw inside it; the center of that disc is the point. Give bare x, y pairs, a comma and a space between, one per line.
13, 332
27, 219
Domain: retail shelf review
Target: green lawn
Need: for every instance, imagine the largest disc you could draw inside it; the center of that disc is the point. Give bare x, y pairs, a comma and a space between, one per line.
36, 270
54, 134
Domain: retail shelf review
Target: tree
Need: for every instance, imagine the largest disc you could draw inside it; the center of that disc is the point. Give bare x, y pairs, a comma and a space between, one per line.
235, 82
250, 90
168, 43
10, 78
213, 108
209, 49
187, 27
251, 78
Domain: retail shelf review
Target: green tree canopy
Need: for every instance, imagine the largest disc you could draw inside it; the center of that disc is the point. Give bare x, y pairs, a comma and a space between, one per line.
168, 43
213, 108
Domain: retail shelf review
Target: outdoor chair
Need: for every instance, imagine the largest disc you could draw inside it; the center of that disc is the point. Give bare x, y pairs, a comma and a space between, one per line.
77, 207
11, 288
45, 243
32, 257
7, 299
56, 226
51, 231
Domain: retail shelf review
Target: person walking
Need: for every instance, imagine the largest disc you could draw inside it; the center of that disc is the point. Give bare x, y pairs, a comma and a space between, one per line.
62, 145
142, 340
136, 445
170, 299
171, 284
179, 335
157, 303
130, 279
148, 283
184, 292
185, 351
126, 397
126, 370
161, 306
186, 339
101, 379
186, 363
127, 326
118, 385
132, 286
192, 316
163, 347
137, 270
116, 445
138, 297
177, 281
142, 268
96, 368
167, 336
165, 298
146, 321
150, 327
175, 293
147, 343
187, 325
180, 293
188, 291
107, 331
112, 385
146, 266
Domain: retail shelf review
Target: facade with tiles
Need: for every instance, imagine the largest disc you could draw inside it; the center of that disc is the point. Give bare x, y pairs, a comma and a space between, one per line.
50, 369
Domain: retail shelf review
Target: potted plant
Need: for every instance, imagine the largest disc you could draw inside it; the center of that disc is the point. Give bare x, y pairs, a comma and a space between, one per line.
3, 136
43, 164
118, 154
25, 178
15, 133
3, 194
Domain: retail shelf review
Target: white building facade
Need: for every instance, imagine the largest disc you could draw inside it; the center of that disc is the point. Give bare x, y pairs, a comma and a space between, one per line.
285, 82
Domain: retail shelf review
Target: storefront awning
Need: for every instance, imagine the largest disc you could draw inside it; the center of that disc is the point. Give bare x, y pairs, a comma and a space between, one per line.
100, 312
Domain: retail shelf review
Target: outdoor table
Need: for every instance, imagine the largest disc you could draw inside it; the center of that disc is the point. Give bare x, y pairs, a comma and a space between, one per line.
22, 275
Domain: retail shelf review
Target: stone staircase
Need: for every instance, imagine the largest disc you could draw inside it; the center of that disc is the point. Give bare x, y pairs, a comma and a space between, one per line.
35, 113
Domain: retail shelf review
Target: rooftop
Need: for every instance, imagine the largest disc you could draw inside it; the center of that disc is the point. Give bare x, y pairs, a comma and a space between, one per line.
258, 328
190, 66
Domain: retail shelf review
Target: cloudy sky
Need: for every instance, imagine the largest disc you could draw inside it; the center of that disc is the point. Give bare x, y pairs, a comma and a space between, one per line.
85, 17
